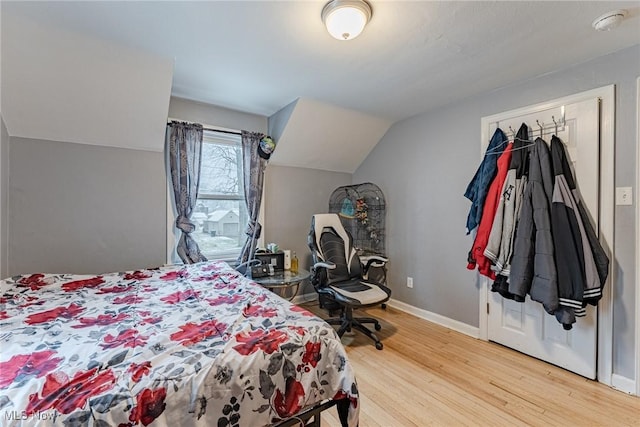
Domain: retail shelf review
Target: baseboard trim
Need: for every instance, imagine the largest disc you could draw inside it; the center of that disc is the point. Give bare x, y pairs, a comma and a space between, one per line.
623, 384
436, 318
415, 311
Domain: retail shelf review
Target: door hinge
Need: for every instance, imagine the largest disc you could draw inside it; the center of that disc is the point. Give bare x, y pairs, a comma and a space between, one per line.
487, 308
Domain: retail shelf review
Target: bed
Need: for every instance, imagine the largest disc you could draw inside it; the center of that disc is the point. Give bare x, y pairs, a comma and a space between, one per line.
195, 345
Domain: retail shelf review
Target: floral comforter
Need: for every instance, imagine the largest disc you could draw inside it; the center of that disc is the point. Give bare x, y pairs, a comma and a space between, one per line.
177, 346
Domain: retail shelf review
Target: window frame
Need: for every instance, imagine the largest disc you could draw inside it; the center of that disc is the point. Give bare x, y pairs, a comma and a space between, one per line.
221, 138
173, 233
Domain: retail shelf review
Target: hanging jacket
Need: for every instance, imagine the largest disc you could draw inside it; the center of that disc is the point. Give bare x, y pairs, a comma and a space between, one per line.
567, 243
600, 256
533, 269
500, 244
579, 275
477, 189
476, 255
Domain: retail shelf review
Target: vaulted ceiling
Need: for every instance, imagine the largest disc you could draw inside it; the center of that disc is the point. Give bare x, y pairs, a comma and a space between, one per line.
261, 56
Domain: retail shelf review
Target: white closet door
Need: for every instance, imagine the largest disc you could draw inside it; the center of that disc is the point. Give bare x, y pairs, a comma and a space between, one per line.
526, 327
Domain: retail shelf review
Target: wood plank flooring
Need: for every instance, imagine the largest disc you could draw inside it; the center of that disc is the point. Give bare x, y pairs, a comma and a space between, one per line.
428, 375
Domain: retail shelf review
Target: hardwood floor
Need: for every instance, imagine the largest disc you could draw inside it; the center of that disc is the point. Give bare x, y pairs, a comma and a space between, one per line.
428, 375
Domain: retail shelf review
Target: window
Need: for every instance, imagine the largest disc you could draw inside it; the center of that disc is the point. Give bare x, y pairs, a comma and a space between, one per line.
220, 215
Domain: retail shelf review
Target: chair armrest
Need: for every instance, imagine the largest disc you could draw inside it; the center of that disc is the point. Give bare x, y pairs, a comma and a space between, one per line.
376, 261
327, 265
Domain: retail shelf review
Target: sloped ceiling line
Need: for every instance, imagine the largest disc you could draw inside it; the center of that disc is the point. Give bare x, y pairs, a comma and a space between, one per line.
64, 86
316, 135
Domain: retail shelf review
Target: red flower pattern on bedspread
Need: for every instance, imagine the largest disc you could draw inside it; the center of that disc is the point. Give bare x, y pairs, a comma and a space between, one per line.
259, 311
150, 320
193, 333
84, 283
267, 341
149, 405
137, 371
312, 353
174, 275
36, 364
59, 312
291, 401
178, 346
115, 289
224, 299
298, 329
129, 299
128, 338
33, 282
31, 301
136, 275
66, 395
180, 296
101, 320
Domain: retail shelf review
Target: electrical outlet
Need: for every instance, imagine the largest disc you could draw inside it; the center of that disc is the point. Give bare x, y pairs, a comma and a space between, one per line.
409, 282
624, 196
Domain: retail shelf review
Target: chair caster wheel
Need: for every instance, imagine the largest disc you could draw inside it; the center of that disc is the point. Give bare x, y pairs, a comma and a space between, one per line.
377, 326
384, 306
379, 345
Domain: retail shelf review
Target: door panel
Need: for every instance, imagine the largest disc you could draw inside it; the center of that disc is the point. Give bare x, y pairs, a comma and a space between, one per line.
526, 327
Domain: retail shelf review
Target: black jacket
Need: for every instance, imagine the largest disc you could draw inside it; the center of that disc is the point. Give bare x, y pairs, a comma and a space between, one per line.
533, 268
582, 265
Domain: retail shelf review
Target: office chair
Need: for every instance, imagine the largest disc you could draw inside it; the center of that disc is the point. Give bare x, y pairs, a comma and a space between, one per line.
339, 276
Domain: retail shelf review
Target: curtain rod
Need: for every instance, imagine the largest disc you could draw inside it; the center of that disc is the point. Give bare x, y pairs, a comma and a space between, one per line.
215, 130
223, 131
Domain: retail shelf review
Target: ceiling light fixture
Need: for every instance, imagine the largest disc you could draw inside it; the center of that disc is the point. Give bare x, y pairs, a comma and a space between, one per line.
609, 20
345, 19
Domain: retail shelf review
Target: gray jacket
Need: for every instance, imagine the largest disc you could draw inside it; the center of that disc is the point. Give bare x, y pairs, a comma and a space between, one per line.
500, 245
582, 264
533, 268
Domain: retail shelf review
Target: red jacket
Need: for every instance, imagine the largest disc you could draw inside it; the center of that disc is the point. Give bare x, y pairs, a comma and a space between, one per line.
476, 255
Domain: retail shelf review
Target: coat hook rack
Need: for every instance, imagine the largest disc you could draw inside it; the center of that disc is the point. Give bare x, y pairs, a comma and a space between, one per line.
541, 128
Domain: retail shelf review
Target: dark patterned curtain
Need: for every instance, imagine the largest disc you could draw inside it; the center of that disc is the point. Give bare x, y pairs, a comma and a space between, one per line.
254, 166
184, 142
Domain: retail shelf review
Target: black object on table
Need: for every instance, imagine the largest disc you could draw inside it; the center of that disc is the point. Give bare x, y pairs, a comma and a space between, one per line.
284, 282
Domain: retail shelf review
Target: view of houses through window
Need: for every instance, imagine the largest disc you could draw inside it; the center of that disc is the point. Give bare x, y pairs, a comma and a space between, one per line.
220, 215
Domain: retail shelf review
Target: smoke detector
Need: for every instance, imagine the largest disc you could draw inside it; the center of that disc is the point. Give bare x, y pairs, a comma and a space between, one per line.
609, 20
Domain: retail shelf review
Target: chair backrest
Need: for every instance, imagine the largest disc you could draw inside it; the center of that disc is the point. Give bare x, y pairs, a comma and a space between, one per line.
330, 242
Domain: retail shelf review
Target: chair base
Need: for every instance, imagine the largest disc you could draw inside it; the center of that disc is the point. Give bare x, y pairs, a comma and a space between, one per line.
347, 322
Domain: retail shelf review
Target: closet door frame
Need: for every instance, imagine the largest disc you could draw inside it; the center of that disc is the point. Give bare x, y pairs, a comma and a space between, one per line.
637, 202
607, 208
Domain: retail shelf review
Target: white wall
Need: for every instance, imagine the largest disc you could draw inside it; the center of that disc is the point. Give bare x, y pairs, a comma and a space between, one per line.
424, 164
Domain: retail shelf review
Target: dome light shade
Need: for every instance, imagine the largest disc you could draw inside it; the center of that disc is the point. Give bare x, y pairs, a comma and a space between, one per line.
345, 19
